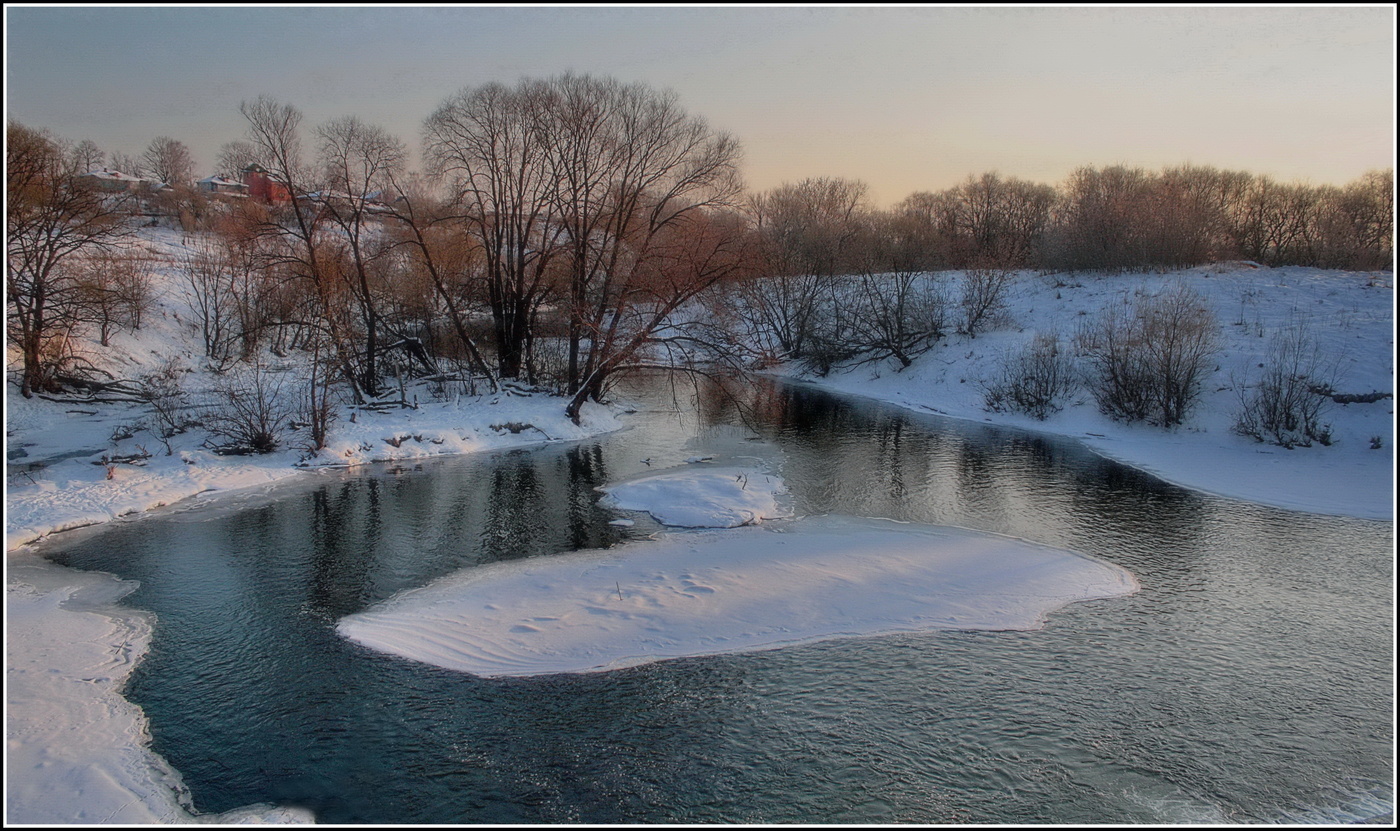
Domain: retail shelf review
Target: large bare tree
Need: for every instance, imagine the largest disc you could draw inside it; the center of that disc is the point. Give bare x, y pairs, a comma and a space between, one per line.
576, 188
169, 161
486, 140
293, 235
53, 219
87, 155
360, 162
234, 157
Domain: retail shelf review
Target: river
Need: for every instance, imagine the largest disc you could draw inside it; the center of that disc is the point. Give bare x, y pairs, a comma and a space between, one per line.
1249, 680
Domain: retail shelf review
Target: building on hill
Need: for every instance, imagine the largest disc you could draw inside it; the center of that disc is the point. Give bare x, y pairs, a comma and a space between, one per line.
111, 181
264, 188
220, 185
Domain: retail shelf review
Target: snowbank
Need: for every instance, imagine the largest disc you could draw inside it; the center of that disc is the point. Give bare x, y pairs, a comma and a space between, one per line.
702, 498
1351, 315
714, 592
75, 492
75, 749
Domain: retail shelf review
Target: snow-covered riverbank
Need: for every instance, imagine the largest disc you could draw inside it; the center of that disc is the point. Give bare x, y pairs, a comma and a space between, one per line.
1350, 314
77, 749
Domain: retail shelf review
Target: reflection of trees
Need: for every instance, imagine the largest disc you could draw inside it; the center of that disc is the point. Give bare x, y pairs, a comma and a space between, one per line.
345, 531
515, 511
890, 458
545, 503
586, 470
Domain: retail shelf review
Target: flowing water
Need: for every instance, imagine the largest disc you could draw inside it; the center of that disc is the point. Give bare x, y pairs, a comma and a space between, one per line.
1250, 680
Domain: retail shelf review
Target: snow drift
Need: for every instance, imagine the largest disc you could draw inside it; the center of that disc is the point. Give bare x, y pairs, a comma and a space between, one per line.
702, 498
715, 592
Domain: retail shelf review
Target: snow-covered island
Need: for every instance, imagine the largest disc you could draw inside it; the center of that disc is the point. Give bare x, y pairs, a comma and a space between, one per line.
76, 749
734, 590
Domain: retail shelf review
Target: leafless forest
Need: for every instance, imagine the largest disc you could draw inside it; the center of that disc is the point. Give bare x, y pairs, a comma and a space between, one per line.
564, 231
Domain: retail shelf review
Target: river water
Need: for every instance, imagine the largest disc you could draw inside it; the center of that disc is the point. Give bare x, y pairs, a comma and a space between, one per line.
1250, 680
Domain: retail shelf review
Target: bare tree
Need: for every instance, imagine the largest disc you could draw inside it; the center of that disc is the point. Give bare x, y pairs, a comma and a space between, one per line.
449, 259
87, 155
209, 288
922, 222
360, 162
809, 231
130, 165
114, 289
640, 189
1100, 220
234, 158
649, 323
295, 244
889, 309
995, 221
169, 161
486, 141
52, 219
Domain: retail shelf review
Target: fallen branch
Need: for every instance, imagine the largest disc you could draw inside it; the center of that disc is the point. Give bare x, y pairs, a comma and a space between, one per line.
1349, 398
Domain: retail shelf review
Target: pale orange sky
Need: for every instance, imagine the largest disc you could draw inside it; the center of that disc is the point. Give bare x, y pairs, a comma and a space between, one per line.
904, 98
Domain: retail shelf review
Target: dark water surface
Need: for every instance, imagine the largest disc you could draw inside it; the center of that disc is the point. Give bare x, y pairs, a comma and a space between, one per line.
1249, 680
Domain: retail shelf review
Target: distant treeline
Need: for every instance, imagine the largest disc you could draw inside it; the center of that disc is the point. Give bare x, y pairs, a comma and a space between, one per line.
1103, 219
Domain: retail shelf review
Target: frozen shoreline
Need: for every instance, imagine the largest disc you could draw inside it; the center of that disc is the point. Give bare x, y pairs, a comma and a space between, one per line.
62, 716
77, 751
1262, 474
1353, 321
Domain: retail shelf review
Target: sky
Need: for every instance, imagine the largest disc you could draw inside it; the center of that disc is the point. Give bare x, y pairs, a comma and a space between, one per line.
905, 98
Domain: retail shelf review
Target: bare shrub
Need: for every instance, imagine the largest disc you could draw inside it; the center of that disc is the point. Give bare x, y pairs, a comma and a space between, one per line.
831, 339
115, 290
983, 295
1148, 362
1034, 380
318, 404
1284, 406
163, 391
209, 289
898, 315
251, 410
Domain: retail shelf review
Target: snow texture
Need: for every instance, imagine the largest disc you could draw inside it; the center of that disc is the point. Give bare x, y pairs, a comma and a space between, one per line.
706, 498
716, 592
1350, 314
75, 750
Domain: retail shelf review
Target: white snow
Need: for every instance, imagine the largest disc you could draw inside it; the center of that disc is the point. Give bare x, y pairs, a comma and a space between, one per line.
724, 497
716, 592
1351, 314
69, 491
75, 750
77, 492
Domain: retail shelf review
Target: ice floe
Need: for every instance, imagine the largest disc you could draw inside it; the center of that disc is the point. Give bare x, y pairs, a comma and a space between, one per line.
714, 592
709, 497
